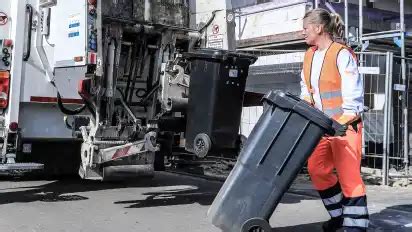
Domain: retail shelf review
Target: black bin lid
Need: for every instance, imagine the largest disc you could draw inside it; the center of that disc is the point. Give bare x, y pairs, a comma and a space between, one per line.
294, 103
218, 55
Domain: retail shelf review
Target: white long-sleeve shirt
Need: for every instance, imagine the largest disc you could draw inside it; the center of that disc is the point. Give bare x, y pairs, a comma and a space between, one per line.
352, 83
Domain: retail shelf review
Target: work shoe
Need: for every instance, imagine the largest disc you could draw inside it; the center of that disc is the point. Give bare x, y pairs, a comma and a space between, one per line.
332, 225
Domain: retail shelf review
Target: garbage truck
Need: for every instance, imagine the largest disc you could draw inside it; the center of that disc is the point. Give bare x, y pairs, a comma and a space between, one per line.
109, 88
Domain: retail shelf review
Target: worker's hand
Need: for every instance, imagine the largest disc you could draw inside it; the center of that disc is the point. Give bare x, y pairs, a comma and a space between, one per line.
340, 130
344, 121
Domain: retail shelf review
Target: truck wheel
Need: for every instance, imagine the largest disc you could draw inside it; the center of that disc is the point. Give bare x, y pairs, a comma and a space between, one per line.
202, 145
256, 225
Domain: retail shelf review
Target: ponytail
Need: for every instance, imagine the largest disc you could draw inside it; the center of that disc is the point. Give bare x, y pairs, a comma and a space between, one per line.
336, 28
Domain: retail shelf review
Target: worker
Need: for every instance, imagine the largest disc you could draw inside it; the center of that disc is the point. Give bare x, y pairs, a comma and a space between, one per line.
331, 83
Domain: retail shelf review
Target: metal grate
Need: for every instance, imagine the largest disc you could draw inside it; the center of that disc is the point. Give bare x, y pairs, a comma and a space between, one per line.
396, 152
384, 143
375, 99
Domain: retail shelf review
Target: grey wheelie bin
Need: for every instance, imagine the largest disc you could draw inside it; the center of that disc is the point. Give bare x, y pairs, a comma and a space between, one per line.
276, 150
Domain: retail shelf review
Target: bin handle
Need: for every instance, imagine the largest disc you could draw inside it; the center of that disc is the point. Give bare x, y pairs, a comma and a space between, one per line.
29, 13
289, 94
335, 125
272, 96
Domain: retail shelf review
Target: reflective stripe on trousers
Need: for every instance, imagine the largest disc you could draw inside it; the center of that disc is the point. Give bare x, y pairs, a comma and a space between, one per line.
350, 222
355, 210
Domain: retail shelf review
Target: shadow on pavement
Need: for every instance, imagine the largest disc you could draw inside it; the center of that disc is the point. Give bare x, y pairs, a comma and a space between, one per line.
203, 195
313, 227
170, 198
68, 189
394, 218
60, 190
293, 197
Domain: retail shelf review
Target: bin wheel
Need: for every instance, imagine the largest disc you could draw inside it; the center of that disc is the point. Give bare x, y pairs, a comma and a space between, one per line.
256, 225
202, 145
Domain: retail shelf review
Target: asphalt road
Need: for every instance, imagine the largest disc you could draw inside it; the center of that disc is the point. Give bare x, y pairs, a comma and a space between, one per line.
167, 203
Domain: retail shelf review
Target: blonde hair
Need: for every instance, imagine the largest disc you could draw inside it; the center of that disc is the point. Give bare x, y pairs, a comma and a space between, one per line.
332, 23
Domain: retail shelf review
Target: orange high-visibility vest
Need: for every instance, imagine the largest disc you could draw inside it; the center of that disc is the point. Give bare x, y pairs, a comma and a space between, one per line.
330, 88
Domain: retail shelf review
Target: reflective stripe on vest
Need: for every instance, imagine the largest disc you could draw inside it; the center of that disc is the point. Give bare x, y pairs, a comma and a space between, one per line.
330, 89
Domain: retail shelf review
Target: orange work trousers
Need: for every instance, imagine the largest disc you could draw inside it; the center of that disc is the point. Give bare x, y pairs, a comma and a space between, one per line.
342, 154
